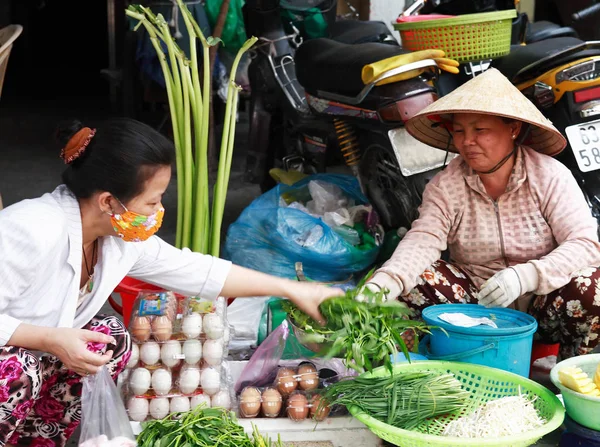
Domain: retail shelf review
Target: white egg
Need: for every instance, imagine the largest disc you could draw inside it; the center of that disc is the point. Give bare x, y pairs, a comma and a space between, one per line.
159, 407
213, 326
210, 381
150, 353
192, 325
170, 354
140, 381
221, 399
213, 352
135, 356
161, 382
200, 399
192, 350
123, 377
189, 379
179, 403
137, 409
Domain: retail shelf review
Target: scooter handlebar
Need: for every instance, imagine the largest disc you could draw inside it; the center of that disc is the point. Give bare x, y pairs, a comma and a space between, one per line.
586, 12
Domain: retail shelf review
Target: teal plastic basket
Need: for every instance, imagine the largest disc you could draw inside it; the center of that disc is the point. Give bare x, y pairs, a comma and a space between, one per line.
484, 384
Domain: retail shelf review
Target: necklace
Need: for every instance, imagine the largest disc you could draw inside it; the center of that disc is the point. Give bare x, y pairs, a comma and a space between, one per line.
90, 269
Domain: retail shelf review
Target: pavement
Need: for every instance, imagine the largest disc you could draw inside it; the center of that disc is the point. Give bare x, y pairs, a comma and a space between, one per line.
30, 165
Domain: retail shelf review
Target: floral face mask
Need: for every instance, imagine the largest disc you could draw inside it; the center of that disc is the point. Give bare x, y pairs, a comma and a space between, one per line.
134, 227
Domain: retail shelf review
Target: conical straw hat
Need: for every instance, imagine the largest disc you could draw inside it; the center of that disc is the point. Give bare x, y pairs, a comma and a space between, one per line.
490, 93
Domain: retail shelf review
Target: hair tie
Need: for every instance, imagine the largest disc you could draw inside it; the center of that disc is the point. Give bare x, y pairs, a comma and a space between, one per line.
77, 144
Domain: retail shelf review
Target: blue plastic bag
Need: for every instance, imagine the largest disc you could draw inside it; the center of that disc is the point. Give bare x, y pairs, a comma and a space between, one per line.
271, 237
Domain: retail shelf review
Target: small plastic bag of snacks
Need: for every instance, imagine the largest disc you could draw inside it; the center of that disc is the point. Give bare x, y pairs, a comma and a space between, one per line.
104, 421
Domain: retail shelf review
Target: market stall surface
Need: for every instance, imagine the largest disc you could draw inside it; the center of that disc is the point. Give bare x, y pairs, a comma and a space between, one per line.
30, 167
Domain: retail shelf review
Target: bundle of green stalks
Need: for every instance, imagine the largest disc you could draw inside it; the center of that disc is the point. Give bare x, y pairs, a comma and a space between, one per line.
403, 400
198, 228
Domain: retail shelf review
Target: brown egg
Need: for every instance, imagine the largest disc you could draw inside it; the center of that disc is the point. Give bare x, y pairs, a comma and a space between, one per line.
318, 414
140, 328
271, 403
162, 328
308, 378
286, 381
297, 407
250, 402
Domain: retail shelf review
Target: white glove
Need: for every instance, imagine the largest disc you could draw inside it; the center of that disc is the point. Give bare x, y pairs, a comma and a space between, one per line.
378, 282
507, 285
501, 289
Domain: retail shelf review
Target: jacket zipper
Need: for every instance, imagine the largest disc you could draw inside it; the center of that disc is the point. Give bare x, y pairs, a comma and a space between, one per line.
497, 210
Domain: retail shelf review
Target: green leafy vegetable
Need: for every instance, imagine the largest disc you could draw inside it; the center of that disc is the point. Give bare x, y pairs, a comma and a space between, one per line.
403, 400
202, 427
364, 333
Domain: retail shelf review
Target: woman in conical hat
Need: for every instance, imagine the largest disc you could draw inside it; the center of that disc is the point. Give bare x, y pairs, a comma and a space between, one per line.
514, 220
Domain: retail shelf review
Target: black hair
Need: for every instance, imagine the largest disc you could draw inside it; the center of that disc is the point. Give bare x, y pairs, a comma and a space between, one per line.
120, 158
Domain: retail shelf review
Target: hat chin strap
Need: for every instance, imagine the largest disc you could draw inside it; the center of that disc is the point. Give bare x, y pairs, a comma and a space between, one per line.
500, 163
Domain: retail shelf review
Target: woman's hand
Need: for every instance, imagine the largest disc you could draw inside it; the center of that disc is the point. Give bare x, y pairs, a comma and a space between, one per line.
501, 289
71, 347
308, 296
378, 282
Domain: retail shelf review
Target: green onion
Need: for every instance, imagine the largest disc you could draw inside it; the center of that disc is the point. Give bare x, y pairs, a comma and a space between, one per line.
189, 104
403, 400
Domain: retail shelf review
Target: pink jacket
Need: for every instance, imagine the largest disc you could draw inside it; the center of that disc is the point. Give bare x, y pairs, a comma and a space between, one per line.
542, 218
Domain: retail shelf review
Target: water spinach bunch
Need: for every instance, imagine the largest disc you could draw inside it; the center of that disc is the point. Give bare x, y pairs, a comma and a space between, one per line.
201, 427
364, 333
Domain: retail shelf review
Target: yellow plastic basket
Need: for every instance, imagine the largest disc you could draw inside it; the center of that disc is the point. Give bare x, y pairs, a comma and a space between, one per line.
465, 38
484, 384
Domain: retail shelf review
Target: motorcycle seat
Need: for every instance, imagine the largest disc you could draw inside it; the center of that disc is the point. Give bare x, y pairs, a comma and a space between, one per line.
327, 65
543, 30
355, 32
524, 62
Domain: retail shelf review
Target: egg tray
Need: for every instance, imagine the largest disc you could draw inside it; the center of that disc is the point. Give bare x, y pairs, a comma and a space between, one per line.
162, 382
160, 320
292, 393
269, 403
174, 353
141, 408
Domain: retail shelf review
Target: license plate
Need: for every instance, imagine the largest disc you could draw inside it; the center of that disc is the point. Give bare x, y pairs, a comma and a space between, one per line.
585, 143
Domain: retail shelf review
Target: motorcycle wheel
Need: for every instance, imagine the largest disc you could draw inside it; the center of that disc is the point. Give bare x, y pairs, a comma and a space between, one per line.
395, 197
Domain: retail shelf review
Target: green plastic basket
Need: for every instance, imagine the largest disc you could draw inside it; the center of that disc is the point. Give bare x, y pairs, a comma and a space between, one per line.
465, 38
484, 384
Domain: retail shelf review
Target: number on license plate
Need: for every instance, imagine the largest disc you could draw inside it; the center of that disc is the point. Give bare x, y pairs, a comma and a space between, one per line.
585, 144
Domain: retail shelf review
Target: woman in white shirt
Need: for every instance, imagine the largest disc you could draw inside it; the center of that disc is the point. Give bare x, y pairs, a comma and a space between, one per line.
61, 255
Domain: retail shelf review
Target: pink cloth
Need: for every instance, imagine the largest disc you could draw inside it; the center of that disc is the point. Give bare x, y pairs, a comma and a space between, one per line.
542, 218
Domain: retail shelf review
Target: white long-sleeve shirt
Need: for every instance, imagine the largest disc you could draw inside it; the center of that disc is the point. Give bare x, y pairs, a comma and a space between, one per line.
40, 265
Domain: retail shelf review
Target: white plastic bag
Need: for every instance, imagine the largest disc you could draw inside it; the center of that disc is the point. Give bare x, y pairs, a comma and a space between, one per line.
104, 421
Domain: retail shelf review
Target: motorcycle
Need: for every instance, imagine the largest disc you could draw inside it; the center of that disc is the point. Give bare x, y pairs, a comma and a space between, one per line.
309, 107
